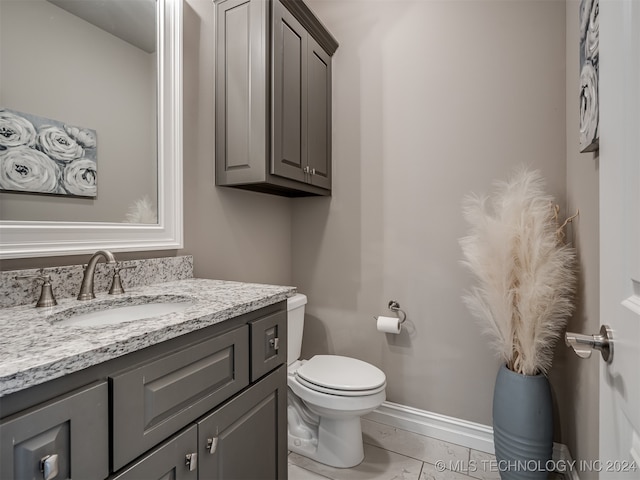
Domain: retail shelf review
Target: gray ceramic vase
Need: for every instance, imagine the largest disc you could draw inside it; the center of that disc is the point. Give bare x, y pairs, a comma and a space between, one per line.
522, 425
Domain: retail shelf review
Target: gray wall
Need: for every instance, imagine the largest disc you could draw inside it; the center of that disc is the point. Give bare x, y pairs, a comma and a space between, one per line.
577, 380
232, 234
58, 66
432, 100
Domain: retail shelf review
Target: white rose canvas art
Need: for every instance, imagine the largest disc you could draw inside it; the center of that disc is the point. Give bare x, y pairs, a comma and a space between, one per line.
589, 75
45, 156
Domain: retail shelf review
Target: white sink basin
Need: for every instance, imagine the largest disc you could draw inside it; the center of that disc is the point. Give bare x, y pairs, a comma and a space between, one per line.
110, 314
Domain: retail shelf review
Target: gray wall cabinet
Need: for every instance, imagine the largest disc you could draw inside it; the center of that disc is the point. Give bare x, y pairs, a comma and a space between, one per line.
194, 407
273, 97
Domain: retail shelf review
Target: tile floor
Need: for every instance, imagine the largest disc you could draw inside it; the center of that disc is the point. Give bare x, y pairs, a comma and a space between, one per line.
394, 454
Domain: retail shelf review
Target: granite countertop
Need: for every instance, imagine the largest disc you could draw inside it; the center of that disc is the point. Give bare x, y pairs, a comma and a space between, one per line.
33, 350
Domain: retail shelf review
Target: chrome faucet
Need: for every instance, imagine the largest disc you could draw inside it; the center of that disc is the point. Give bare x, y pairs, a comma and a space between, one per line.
86, 289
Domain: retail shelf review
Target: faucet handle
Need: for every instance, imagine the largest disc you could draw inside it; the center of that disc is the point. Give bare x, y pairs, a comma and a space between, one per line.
116, 284
46, 294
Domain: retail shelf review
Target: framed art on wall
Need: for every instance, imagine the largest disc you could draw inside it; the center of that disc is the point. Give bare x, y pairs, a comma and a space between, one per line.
41, 155
589, 75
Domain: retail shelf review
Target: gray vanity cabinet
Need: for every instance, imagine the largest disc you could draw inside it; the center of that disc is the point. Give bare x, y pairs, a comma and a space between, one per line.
273, 97
245, 439
268, 344
173, 460
210, 404
156, 399
69, 435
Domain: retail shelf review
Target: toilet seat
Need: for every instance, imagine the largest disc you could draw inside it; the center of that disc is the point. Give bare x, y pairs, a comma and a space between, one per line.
344, 376
342, 393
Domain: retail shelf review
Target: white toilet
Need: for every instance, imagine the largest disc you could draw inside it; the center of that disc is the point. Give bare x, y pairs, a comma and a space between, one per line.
327, 396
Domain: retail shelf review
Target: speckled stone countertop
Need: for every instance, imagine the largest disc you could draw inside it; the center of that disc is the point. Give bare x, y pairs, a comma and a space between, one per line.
33, 349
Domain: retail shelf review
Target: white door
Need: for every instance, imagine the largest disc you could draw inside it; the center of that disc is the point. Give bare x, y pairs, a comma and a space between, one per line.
620, 237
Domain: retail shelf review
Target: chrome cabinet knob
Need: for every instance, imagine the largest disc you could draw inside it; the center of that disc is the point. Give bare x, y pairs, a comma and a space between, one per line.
49, 466
212, 444
584, 345
275, 343
191, 461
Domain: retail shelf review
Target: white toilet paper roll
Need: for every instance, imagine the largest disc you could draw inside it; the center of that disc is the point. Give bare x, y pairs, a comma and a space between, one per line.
389, 324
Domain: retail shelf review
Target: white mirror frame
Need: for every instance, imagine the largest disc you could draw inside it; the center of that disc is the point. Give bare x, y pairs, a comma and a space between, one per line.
21, 239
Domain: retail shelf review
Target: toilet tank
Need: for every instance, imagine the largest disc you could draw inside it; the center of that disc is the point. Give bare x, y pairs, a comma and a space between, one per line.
295, 326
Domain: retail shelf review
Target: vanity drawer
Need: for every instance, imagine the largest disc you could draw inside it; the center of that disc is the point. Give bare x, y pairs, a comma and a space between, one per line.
268, 343
155, 400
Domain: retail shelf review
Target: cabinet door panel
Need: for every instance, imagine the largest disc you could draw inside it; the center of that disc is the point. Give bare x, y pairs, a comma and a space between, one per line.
73, 431
167, 462
156, 399
241, 91
249, 434
319, 114
289, 95
268, 344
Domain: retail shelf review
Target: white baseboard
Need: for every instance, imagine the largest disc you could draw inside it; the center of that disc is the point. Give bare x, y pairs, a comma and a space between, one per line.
561, 453
449, 429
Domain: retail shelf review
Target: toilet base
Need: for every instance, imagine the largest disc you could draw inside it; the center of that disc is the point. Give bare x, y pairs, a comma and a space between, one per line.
339, 443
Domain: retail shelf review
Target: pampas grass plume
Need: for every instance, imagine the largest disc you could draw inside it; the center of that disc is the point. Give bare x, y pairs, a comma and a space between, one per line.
142, 211
525, 276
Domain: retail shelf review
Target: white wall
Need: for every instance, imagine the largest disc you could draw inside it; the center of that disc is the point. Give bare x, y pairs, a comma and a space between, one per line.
432, 100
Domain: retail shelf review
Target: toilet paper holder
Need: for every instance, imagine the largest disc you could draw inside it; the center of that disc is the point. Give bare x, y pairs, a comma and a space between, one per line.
395, 308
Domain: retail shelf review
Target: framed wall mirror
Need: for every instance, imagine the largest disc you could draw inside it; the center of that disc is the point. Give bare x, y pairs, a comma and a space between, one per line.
90, 126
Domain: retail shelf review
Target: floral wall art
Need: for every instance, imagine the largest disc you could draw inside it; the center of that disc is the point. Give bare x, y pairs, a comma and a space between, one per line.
40, 155
589, 70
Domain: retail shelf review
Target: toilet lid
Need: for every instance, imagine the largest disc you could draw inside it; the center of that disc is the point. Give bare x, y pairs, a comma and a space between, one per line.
341, 373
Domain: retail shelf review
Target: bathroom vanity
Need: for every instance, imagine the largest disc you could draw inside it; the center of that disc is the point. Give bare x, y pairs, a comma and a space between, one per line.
200, 393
